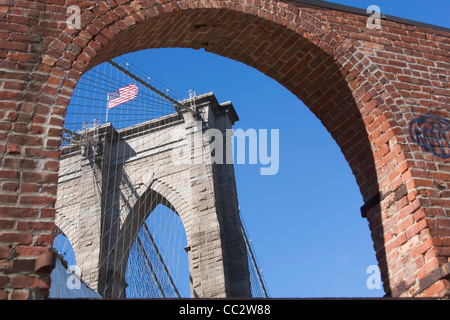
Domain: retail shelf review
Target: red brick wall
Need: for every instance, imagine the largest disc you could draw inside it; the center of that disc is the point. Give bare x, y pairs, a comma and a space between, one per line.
360, 83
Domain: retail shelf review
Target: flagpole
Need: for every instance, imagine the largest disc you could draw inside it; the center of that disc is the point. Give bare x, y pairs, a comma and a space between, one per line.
107, 109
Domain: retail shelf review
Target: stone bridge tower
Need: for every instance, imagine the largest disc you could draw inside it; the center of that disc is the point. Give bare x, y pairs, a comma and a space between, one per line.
118, 182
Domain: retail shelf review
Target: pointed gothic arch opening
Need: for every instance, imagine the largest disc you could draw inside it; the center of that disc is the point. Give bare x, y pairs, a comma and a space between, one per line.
157, 265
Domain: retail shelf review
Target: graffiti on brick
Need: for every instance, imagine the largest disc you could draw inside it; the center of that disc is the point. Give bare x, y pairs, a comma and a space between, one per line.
432, 133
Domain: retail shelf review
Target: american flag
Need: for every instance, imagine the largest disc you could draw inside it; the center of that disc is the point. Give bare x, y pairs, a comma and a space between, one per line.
122, 95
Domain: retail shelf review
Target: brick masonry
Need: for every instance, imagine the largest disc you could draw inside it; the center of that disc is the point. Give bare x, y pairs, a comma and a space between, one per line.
362, 84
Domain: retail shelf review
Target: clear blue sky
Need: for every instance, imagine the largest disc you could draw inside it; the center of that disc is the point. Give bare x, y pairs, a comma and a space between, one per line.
305, 221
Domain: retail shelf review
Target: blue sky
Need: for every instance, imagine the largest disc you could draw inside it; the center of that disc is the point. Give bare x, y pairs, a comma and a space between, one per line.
305, 221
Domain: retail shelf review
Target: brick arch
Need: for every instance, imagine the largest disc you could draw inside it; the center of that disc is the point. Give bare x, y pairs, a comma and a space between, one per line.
355, 81
313, 64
